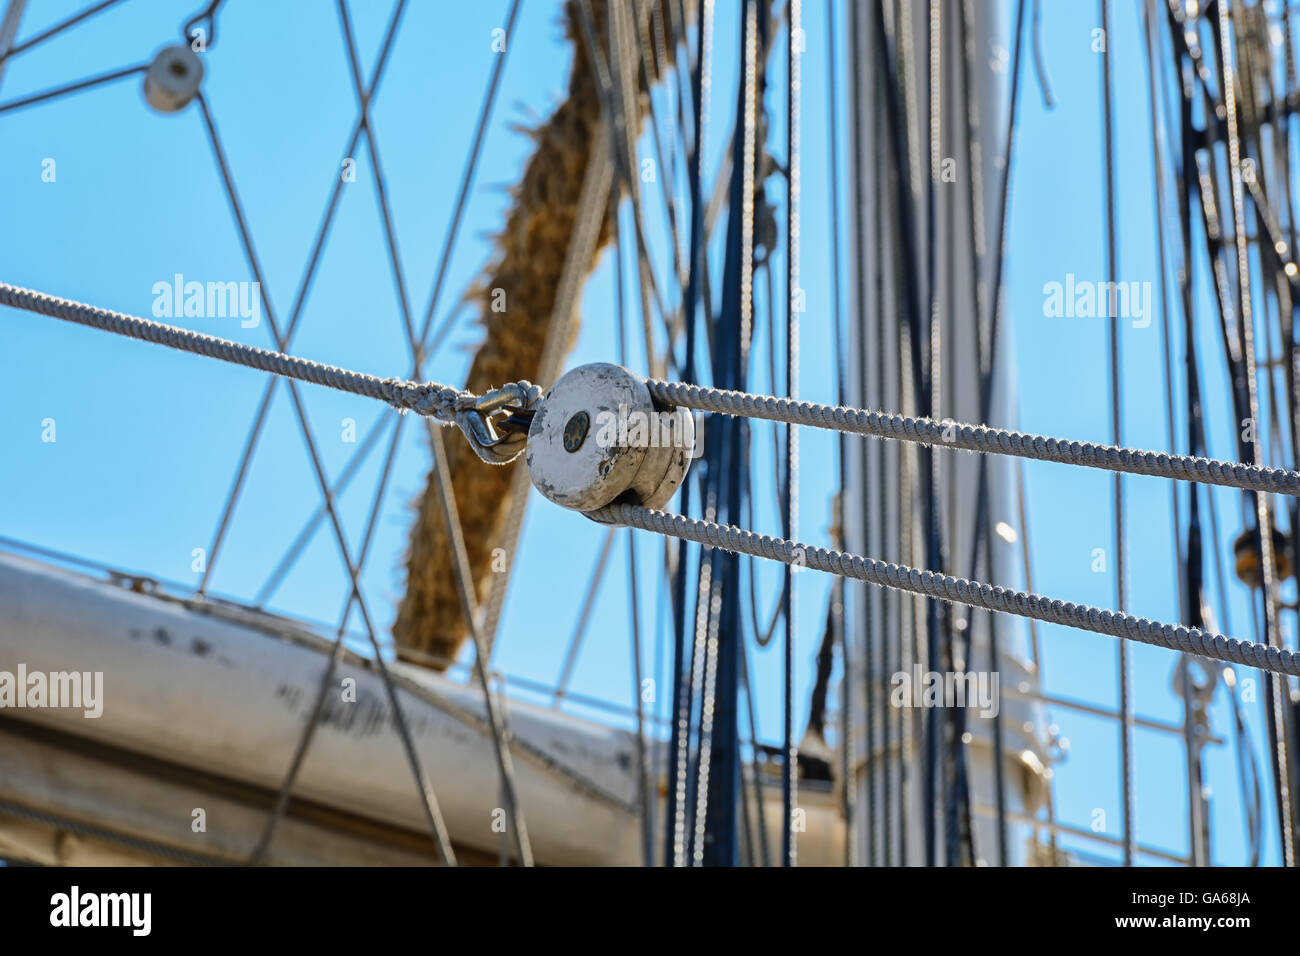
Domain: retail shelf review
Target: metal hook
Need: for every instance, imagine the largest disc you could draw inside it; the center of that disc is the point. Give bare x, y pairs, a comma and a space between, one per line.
476, 419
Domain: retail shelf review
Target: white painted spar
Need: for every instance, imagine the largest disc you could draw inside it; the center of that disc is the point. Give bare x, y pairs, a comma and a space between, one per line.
202, 689
227, 690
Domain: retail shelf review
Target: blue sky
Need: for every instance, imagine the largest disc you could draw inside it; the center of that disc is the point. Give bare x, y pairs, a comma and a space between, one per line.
147, 440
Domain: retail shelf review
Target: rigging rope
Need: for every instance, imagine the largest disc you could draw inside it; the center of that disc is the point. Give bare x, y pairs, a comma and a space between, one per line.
981, 438
444, 404
448, 405
945, 587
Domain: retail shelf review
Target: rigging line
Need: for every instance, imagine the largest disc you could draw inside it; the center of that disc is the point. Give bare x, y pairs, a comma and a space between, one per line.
441, 402
981, 438
837, 350
985, 352
77, 87
1049, 801
468, 174
1116, 408
208, 13
1277, 686
718, 771
900, 124
341, 484
643, 778
293, 552
762, 636
1040, 64
623, 44
13, 15
497, 722
58, 28
691, 726
309, 730
941, 383
650, 42
878, 610
643, 782
300, 299
381, 188
1196, 431
428, 800
619, 116
592, 201
571, 655
957, 590
678, 754
464, 581
754, 769
1182, 575
790, 516
497, 725
430, 399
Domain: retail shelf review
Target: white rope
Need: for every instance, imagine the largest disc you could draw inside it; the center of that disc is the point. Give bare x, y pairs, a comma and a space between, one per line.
448, 405
981, 438
945, 587
442, 403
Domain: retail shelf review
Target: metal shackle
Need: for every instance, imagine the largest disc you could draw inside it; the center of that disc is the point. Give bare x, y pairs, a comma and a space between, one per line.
598, 437
173, 79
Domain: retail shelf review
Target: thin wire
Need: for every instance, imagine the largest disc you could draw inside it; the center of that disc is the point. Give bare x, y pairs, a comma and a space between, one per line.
954, 590
1277, 687
467, 175
57, 28
1116, 407
300, 299
790, 756
77, 87
837, 350
433, 814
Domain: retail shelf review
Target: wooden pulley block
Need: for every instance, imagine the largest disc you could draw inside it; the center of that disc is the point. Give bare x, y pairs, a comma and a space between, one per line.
173, 79
598, 437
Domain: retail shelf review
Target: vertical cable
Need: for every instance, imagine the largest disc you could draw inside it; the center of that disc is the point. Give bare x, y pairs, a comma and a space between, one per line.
837, 350
1277, 687
1125, 701
679, 742
790, 763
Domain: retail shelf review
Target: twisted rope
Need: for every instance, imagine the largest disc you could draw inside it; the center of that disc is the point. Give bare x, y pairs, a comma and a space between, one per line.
981, 438
442, 403
945, 587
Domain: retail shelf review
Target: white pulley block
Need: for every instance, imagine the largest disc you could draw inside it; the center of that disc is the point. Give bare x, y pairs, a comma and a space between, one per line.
173, 78
598, 437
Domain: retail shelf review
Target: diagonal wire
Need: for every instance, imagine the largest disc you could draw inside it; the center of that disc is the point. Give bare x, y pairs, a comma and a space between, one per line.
58, 28
432, 812
77, 87
291, 553
467, 176
304, 286
442, 477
